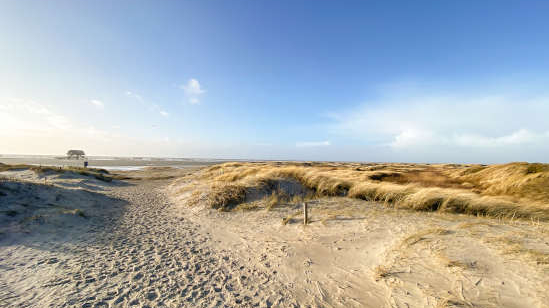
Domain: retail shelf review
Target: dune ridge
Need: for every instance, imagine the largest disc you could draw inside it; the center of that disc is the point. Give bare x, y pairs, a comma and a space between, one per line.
514, 190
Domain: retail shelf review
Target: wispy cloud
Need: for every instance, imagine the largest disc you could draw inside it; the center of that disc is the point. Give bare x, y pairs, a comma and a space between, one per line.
150, 106
98, 104
312, 144
27, 114
193, 90
31, 127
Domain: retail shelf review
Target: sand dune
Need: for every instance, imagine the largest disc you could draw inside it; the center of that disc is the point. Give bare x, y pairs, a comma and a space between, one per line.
357, 253
154, 240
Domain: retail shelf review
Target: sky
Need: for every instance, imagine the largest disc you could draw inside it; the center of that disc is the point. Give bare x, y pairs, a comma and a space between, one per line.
390, 81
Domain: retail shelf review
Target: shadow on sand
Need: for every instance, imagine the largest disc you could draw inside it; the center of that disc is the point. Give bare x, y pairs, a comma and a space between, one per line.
41, 216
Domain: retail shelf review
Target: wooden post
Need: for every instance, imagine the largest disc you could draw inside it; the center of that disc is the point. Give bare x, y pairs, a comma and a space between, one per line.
305, 214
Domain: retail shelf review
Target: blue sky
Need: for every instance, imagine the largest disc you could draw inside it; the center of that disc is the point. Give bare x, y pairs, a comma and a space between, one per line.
428, 81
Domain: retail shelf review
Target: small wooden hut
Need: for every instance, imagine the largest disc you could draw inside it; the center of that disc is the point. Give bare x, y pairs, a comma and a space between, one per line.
76, 154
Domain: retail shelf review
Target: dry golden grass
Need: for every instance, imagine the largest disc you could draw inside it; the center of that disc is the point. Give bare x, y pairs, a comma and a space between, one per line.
519, 180
381, 272
76, 212
290, 218
248, 206
515, 190
195, 198
453, 263
451, 302
225, 196
423, 235
276, 198
471, 224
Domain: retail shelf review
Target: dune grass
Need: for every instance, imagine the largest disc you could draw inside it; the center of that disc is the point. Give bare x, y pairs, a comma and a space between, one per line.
515, 190
520, 180
226, 196
100, 174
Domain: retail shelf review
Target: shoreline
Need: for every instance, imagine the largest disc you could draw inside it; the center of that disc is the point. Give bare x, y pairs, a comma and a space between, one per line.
105, 163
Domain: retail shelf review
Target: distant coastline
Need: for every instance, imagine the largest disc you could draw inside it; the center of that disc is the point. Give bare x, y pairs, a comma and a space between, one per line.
107, 162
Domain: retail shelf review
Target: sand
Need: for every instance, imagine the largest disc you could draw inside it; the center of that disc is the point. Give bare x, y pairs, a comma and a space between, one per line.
137, 245
136, 254
355, 253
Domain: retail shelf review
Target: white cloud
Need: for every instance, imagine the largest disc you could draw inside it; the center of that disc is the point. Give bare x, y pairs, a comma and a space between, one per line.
312, 144
164, 113
134, 95
410, 137
192, 87
403, 121
97, 103
521, 136
193, 90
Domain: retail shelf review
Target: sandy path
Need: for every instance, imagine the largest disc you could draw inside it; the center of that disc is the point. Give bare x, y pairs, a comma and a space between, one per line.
144, 257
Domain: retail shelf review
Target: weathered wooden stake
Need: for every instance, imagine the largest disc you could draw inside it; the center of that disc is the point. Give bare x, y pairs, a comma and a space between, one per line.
305, 214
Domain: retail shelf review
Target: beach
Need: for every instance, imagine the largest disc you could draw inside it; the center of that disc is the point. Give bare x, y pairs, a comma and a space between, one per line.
139, 239
274, 154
